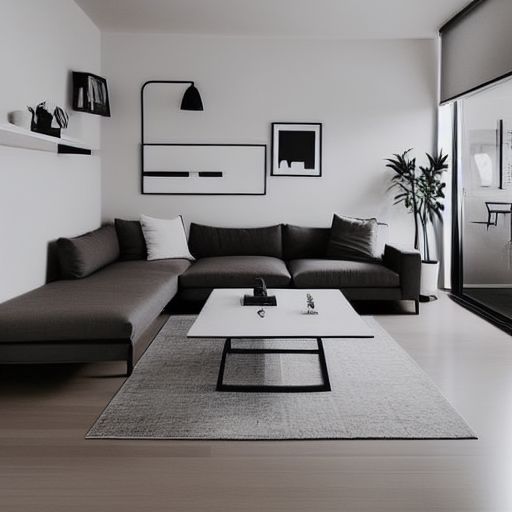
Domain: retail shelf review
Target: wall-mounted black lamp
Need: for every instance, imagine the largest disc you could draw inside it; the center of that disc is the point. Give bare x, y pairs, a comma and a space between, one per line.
191, 98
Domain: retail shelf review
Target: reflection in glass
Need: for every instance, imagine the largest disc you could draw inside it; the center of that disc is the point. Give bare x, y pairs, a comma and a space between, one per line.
484, 165
486, 180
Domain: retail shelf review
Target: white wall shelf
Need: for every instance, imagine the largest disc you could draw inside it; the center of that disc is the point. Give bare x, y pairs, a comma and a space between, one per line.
14, 136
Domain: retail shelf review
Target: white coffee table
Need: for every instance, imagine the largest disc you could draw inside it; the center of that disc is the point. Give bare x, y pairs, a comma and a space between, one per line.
223, 316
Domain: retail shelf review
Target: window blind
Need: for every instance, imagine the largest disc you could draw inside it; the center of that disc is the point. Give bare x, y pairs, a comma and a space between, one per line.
476, 47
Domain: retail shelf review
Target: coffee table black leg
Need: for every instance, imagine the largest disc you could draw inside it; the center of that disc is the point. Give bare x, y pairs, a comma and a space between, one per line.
325, 386
227, 348
323, 365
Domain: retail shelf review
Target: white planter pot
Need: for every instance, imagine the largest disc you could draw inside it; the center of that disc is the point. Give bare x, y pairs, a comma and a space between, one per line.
429, 278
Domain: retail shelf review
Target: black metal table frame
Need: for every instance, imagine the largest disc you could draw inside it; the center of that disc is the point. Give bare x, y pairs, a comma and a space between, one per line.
228, 349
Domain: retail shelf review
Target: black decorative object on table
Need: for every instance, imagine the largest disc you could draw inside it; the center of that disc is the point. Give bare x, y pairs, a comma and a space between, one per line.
90, 94
260, 290
260, 297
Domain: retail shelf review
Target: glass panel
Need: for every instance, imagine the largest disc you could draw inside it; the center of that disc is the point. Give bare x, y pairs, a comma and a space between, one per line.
486, 188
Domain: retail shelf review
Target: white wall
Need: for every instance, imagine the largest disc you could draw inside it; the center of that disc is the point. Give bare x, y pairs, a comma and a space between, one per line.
43, 195
374, 98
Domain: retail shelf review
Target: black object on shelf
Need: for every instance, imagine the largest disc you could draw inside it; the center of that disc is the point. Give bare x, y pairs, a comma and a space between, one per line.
90, 94
42, 121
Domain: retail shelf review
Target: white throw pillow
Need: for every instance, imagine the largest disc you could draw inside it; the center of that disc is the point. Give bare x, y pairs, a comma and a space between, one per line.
165, 238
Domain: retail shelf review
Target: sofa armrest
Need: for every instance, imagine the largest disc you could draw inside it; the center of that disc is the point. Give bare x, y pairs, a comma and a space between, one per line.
407, 264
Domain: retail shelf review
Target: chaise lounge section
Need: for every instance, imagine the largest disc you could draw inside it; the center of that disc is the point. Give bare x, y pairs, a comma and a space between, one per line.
100, 317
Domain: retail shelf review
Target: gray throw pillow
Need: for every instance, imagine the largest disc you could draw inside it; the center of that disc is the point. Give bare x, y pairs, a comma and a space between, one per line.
353, 239
83, 255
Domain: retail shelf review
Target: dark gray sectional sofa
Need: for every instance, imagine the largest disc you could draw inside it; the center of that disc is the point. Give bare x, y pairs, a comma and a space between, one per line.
109, 294
293, 256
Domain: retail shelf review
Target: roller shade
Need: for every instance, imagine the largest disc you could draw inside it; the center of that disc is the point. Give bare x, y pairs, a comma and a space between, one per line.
476, 47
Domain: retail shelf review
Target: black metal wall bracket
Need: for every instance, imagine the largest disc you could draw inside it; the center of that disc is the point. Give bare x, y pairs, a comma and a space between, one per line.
64, 149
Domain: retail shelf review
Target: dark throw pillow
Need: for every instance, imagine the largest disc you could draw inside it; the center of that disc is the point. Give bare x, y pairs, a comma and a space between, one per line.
132, 244
210, 241
304, 242
83, 255
353, 239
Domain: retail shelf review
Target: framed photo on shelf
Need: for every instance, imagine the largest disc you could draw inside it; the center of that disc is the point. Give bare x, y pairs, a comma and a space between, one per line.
90, 94
296, 149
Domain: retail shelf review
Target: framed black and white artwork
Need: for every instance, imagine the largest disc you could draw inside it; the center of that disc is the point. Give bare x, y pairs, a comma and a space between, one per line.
297, 149
204, 169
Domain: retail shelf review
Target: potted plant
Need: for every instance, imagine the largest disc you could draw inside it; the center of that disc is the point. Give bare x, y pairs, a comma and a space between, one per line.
421, 190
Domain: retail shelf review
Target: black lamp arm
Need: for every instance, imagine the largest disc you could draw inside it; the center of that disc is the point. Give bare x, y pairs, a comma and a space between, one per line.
166, 82
144, 85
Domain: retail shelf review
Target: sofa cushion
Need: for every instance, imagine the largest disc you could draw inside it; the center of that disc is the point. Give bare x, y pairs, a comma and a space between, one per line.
83, 255
132, 245
324, 273
304, 242
209, 241
117, 302
353, 239
235, 272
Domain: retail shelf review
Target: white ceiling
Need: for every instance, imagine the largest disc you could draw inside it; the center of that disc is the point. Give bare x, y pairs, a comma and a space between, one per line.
340, 19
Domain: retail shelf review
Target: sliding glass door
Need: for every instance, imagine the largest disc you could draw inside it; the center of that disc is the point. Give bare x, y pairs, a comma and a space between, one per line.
483, 200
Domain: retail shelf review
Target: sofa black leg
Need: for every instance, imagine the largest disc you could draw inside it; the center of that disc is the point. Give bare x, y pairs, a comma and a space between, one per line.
416, 307
129, 363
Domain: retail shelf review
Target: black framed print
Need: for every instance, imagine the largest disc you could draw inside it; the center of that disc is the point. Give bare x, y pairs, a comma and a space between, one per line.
204, 169
90, 94
296, 149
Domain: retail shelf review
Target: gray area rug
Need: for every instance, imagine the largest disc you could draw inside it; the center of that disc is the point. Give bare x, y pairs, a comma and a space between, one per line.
378, 392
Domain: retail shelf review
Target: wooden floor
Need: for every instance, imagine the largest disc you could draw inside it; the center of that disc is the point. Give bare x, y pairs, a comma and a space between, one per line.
46, 465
